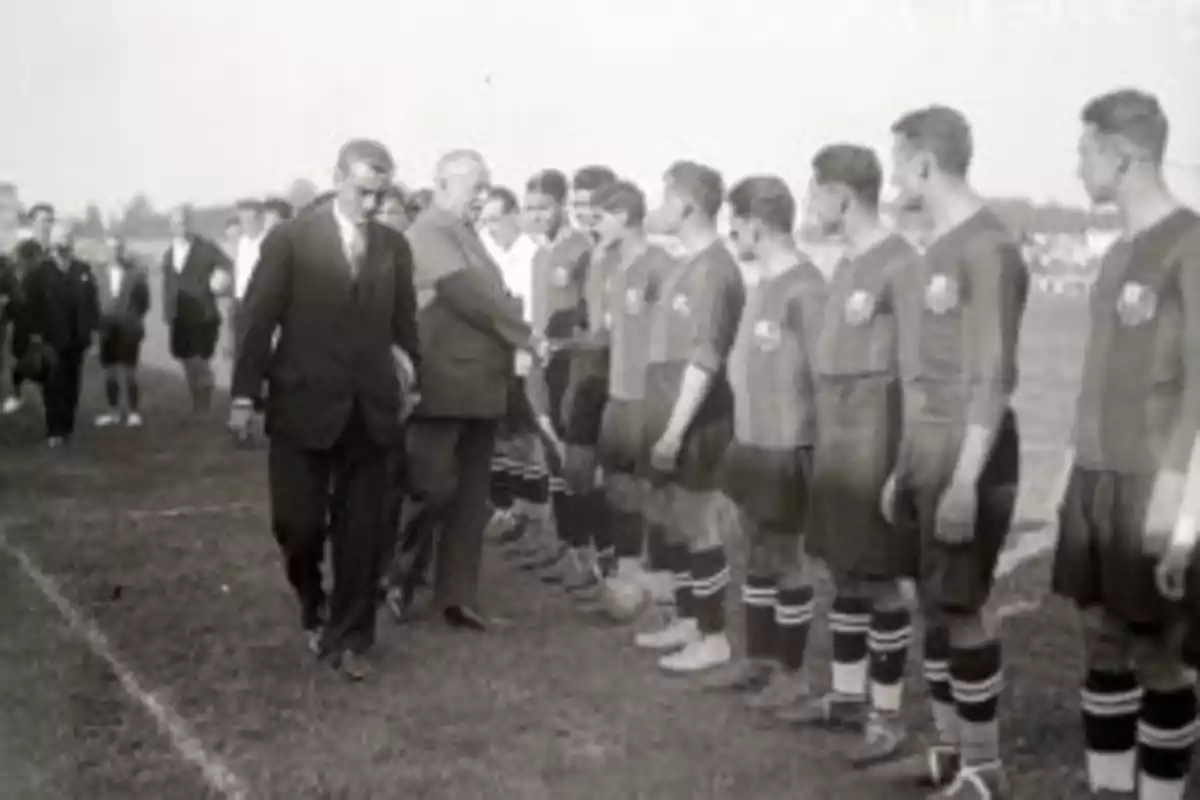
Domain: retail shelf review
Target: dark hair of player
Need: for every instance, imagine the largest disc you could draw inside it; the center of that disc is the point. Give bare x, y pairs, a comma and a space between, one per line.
702, 184
853, 166
622, 196
1133, 116
549, 182
943, 133
764, 198
592, 178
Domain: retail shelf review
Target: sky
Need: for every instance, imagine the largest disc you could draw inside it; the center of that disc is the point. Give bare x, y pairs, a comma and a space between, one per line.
209, 100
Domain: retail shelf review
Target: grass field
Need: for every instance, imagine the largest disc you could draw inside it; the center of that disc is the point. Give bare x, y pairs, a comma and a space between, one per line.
160, 537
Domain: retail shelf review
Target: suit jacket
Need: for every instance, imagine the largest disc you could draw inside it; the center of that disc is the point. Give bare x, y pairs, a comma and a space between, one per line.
187, 288
336, 333
470, 325
61, 305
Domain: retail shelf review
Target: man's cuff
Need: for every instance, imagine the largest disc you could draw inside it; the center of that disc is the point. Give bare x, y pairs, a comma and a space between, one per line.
243, 402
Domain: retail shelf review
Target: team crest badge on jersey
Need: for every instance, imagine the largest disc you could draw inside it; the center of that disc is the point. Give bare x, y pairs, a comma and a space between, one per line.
1137, 304
633, 301
767, 334
860, 307
941, 295
680, 305
562, 277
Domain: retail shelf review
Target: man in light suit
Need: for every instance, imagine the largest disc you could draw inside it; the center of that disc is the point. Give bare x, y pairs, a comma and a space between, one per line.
471, 328
337, 286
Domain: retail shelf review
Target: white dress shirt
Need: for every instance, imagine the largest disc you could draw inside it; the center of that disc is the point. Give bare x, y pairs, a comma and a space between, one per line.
516, 265
244, 262
116, 278
352, 237
180, 249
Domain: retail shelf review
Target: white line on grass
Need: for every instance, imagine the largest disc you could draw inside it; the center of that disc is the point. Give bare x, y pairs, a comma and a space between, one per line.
219, 777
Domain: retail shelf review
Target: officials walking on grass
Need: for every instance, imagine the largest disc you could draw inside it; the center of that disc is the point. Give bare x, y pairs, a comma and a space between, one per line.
470, 330
337, 287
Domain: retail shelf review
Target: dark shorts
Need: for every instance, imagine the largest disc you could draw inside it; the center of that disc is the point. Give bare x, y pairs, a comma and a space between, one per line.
620, 447
120, 344
699, 465
857, 444
1100, 560
582, 420
769, 485
954, 578
194, 340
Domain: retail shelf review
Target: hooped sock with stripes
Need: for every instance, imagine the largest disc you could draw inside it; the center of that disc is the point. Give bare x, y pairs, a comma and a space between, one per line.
888, 640
1166, 735
937, 682
710, 582
1110, 703
759, 596
849, 621
977, 681
681, 576
794, 612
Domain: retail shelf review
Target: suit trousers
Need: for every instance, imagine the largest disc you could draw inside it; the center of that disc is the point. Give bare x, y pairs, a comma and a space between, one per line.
450, 474
60, 392
340, 493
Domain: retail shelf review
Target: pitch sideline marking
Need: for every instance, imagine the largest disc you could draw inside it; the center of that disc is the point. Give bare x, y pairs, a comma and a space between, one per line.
219, 777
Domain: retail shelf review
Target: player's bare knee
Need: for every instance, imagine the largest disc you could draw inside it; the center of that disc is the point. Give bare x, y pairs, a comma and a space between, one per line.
886, 595
1106, 643
1159, 664
969, 629
760, 559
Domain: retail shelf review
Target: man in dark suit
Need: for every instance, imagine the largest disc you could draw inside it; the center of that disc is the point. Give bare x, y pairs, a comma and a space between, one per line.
337, 287
61, 312
470, 329
192, 268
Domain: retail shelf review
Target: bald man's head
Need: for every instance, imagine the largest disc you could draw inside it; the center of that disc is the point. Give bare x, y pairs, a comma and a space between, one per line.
461, 180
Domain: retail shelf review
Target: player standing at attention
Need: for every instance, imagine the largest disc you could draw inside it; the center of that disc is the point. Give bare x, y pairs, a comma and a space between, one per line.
688, 413
1126, 550
559, 273
954, 488
587, 390
620, 214
520, 489
765, 471
858, 396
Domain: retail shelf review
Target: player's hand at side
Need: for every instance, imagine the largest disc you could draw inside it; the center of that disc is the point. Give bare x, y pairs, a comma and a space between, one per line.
955, 523
887, 499
665, 455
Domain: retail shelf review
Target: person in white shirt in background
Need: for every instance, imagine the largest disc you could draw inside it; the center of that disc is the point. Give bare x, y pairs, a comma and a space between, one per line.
520, 485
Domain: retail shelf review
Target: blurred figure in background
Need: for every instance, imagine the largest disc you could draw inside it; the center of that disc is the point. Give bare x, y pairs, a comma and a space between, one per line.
274, 211
124, 298
29, 251
61, 312
393, 212
190, 307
